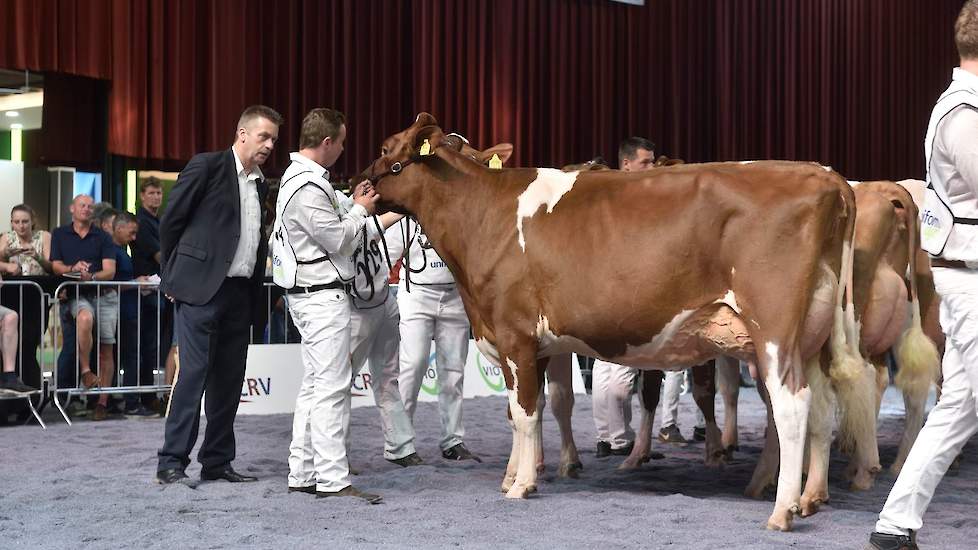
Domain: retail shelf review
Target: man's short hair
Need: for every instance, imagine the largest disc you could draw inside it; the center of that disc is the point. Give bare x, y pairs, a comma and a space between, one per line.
123, 217
259, 111
631, 145
150, 182
103, 211
966, 31
318, 125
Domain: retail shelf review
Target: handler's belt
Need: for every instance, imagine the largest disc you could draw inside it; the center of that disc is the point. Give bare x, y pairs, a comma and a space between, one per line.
335, 285
954, 264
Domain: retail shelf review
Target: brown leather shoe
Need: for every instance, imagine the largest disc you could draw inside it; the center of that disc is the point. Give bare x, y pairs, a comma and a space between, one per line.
351, 491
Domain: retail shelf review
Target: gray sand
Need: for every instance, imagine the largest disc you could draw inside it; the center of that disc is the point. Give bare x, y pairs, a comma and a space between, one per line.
93, 484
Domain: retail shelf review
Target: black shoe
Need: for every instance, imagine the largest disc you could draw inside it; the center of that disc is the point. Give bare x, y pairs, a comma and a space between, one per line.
11, 382
170, 476
624, 451
226, 473
882, 541
699, 434
351, 491
310, 489
406, 461
459, 452
602, 450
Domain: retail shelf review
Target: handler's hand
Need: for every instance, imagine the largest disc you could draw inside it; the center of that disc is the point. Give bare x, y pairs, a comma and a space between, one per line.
366, 196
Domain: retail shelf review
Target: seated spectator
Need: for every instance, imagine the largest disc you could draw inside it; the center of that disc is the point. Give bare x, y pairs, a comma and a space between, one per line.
22, 247
86, 252
8, 345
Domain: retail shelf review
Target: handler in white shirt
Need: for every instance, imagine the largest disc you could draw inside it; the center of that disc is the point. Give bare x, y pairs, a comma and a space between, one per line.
313, 242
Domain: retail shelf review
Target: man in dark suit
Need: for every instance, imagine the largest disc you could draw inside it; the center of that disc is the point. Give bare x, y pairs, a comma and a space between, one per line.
213, 257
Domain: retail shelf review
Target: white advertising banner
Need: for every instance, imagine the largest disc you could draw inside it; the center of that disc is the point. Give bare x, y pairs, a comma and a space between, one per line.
274, 373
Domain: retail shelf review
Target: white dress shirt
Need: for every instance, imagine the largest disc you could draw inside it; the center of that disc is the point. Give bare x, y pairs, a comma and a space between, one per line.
246, 255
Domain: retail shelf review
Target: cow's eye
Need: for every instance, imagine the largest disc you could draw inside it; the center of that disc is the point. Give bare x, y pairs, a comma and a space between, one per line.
383, 151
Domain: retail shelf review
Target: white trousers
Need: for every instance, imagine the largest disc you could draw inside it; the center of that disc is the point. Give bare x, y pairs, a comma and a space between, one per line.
322, 409
611, 398
375, 338
672, 388
426, 313
954, 419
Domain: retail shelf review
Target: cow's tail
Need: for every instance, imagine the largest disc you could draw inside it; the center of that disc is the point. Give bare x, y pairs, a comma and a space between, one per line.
853, 380
917, 357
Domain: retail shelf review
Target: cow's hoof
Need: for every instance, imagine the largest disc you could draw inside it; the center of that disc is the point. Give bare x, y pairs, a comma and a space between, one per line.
810, 505
756, 490
508, 483
541, 468
780, 521
716, 459
895, 468
571, 470
728, 452
632, 463
520, 491
863, 481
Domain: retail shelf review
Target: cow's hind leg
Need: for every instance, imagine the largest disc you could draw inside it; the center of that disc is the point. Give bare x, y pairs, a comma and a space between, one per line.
728, 384
561, 385
704, 393
650, 383
791, 419
514, 454
821, 418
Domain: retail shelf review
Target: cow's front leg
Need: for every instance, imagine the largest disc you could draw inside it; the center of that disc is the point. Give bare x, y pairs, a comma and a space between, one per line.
523, 399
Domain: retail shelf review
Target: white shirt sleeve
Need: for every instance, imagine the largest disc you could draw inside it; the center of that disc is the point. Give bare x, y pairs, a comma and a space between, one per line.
961, 138
337, 234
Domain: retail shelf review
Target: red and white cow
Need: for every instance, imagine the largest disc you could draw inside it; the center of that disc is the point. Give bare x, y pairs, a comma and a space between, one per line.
659, 270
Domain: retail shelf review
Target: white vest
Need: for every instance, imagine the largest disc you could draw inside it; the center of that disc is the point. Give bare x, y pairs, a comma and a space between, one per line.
426, 266
316, 264
952, 235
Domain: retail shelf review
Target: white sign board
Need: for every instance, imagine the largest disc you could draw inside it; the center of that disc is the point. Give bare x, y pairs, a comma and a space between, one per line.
274, 374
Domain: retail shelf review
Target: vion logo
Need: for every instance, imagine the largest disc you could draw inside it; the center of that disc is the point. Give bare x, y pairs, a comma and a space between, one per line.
491, 374
253, 387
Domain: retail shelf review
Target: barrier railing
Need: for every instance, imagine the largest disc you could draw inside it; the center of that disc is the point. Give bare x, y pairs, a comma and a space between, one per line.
112, 345
29, 335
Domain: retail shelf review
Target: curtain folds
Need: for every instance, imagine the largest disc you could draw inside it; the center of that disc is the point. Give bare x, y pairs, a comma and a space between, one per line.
848, 83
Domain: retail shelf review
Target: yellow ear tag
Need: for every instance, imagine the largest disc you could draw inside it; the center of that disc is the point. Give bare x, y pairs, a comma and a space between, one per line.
425, 149
495, 162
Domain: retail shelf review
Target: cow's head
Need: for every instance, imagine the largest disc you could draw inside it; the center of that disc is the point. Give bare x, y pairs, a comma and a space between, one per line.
406, 163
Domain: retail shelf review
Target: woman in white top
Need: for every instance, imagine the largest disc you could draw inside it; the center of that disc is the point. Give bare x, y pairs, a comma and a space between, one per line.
24, 251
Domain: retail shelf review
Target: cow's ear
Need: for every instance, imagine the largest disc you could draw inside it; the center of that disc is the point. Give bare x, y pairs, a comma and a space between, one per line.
504, 150
432, 134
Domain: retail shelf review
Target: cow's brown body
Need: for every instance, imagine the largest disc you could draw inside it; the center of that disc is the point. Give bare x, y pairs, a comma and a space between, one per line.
659, 270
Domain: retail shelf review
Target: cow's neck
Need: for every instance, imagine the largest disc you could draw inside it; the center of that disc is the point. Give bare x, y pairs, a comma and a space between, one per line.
445, 196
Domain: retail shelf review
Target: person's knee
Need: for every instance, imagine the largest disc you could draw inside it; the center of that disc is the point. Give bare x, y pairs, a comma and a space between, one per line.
84, 319
10, 321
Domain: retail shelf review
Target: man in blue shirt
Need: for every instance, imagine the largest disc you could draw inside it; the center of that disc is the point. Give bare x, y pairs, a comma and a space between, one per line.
85, 252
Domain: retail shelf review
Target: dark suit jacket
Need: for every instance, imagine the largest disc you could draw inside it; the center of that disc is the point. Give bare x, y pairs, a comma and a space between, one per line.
200, 229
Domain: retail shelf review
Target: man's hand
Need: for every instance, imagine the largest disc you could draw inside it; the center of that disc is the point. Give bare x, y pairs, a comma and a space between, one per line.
81, 266
366, 196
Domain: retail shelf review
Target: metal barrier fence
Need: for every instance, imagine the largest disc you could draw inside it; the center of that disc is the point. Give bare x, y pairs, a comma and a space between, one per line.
25, 332
109, 341
105, 297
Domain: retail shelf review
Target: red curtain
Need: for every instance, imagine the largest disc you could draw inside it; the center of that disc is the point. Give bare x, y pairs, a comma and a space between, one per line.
843, 82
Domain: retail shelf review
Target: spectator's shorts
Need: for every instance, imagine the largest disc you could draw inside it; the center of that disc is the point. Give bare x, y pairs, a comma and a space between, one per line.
107, 315
5, 311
